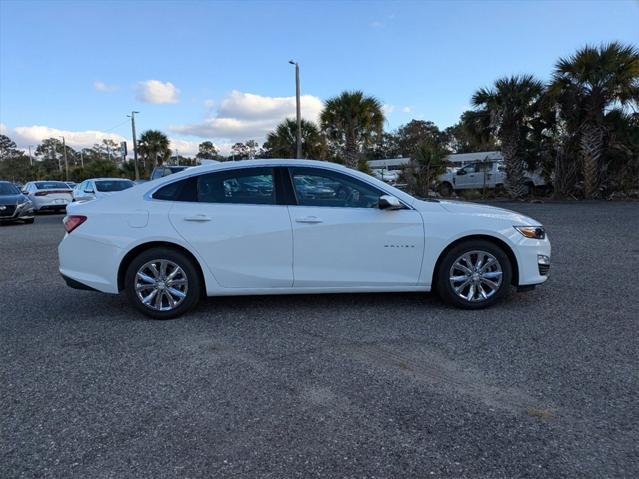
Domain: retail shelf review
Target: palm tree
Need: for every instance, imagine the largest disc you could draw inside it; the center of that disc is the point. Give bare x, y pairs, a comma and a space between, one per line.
281, 142
427, 162
154, 145
596, 79
506, 111
353, 121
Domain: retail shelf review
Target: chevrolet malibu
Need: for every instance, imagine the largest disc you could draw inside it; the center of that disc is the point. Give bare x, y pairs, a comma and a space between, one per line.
273, 227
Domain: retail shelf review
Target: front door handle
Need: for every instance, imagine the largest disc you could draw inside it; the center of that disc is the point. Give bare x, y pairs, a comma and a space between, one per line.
309, 219
198, 218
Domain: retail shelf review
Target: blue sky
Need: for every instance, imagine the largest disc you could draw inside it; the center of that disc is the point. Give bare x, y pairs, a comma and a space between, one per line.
219, 71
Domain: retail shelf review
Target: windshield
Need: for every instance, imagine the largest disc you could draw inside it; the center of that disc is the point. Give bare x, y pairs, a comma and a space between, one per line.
8, 189
51, 185
113, 185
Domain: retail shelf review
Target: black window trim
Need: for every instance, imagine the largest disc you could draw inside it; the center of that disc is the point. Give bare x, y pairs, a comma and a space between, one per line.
148, 196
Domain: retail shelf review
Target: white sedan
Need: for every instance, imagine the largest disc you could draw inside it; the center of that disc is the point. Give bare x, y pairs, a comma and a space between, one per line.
243, 228
48, 195
100, 188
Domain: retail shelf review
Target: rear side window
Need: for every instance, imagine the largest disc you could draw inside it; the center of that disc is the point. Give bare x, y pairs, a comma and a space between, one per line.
252, 186
183, 190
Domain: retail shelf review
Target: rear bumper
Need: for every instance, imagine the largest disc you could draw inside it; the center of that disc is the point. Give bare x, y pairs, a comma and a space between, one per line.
42, 203
92, 264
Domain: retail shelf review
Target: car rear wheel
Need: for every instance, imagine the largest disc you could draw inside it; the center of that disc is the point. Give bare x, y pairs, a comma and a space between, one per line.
474, 274
445, 189
163, 283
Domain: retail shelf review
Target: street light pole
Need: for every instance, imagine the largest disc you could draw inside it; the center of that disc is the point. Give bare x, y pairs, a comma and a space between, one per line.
298, 108
30, 157
135, 145
66, 163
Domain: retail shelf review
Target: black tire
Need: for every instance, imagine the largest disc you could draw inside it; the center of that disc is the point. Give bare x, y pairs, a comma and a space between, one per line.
445, 189
442, 279
530, 189
29, 221
193, 292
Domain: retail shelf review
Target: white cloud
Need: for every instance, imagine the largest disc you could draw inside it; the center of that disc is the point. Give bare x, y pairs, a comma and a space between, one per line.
407, 109
103, 87
191, 148
388, 109
155, 91
243, 116
208, 103
33, 135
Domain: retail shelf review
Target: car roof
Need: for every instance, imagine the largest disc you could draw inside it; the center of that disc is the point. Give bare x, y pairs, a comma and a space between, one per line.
108, 179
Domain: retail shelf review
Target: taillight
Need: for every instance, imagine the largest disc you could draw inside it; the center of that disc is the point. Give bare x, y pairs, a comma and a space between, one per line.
41, 193
71, 222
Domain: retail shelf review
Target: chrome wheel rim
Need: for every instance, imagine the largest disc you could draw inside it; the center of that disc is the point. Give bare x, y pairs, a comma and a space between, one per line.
476, 276
161, 285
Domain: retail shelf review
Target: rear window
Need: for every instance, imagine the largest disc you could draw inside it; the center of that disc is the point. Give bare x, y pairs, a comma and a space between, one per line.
51, 185
113, 185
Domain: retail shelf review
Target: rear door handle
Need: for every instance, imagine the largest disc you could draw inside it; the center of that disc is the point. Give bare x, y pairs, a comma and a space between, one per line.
309, 219
198, 218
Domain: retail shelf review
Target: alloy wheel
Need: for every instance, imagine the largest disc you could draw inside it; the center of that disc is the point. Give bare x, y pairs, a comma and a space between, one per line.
161, 285
476, 276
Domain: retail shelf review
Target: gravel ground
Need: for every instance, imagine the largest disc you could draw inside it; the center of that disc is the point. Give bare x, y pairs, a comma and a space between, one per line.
545, 384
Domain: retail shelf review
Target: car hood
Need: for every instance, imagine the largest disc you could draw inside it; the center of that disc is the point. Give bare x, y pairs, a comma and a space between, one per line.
11, 199
479, 210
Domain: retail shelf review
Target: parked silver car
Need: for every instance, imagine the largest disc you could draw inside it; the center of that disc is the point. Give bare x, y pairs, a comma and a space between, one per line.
48, 195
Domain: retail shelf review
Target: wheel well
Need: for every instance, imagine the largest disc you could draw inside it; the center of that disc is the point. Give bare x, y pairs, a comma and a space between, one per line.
503, 245
126, 261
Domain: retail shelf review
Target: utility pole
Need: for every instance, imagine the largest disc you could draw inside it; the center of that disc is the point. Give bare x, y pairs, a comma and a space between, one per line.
298, 108
135, 145
66, 163
177, 157
82, 157
30, 157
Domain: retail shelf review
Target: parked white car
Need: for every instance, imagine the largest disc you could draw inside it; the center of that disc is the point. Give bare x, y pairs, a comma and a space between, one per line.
48, 195
482, 174
241, 228
100, 188
388, 176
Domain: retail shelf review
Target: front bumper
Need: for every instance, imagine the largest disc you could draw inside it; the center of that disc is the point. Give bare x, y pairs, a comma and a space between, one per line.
23, 211
533, 261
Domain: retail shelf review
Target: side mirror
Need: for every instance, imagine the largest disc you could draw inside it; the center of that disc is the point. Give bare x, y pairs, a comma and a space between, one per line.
24, 192
88, 191
388, 202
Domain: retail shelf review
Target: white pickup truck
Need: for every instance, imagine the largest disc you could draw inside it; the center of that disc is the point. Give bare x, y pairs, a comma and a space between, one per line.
480, 175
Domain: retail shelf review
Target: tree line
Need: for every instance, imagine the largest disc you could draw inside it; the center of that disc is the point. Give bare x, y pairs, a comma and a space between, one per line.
580, 129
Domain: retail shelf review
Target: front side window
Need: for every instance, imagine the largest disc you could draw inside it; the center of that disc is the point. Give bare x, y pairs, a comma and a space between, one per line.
253, 186
317, 187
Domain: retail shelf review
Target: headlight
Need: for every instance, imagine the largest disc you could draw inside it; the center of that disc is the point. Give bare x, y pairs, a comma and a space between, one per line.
534, 232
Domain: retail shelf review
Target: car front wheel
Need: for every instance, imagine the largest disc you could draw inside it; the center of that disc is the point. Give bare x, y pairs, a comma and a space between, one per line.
474, 274
163, 283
